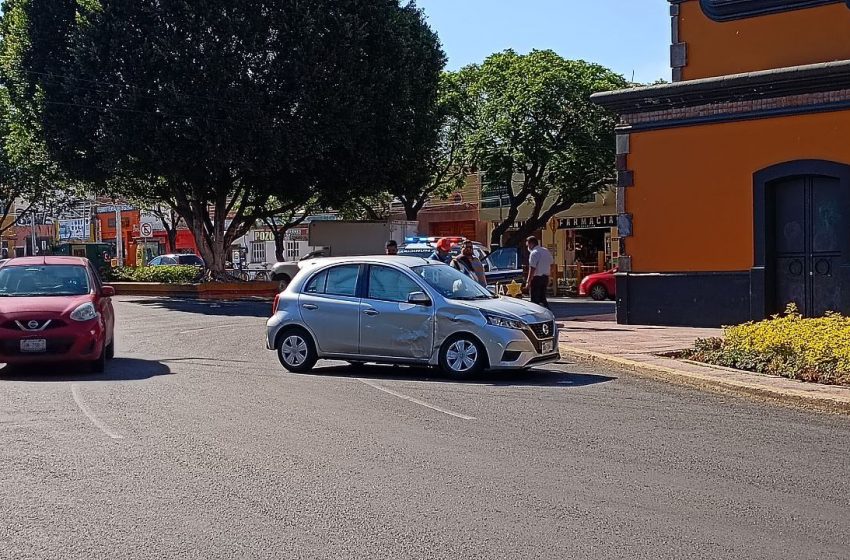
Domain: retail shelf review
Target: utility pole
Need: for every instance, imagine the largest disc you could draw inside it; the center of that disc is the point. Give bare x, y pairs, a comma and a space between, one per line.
119, 242
33, 236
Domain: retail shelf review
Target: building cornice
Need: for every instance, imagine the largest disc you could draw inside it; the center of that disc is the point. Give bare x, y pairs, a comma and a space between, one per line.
811, 78
728, 10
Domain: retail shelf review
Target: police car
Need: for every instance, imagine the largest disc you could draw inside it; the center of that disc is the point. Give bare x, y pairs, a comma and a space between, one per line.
424, 247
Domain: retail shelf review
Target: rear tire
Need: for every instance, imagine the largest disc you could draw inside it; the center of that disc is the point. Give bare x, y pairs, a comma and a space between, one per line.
598, 292
261, 277
297, 351
462, 356
282, 281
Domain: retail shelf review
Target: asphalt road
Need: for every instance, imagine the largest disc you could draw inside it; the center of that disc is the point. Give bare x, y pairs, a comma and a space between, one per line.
195, 444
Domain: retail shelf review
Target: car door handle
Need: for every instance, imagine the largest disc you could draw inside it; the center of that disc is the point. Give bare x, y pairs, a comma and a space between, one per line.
310, 306
370, 312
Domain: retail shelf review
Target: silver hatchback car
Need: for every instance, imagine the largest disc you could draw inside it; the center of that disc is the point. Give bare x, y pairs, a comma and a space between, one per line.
405, 310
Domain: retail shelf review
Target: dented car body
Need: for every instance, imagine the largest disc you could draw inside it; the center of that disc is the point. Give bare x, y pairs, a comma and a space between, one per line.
405, 310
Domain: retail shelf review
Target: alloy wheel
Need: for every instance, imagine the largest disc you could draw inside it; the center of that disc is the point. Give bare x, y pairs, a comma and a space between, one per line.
462, 356
294, 350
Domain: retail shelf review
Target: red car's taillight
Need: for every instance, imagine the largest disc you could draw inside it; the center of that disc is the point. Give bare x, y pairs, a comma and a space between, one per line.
276, 302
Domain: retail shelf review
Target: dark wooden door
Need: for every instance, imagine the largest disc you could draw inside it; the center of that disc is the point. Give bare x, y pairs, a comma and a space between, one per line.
811, 242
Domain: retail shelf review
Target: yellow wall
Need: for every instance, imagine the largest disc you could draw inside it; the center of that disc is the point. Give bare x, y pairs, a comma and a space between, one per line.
792, 38
692, 198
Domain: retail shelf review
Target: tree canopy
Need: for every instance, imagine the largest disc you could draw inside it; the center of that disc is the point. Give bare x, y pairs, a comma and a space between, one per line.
239, 110
536, 133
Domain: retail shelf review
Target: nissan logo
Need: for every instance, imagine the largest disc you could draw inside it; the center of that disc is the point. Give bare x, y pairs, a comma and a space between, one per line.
546, 329
32, 325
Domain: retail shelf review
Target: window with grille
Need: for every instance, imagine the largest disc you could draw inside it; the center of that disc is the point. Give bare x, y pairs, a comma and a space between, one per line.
291, 250
258, 251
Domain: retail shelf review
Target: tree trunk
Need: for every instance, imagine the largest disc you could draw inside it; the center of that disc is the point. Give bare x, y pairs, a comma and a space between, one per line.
278, 246
172, 239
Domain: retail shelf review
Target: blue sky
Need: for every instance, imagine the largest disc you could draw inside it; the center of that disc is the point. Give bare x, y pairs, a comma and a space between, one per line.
625, 35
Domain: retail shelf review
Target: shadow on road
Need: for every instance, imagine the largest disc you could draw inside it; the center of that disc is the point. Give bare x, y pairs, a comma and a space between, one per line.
532, 378
119, 369
258, 308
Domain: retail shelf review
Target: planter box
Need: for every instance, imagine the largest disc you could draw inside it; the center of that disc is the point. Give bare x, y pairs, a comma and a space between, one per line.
213, 290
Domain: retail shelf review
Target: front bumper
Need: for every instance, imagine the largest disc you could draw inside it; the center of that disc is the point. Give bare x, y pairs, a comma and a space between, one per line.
71, 343
520, 349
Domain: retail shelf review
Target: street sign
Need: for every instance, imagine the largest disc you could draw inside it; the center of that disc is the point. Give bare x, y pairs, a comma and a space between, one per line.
146, 229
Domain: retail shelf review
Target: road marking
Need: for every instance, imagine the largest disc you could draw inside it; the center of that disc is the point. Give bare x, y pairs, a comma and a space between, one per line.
417, 401
210, 328
75, 391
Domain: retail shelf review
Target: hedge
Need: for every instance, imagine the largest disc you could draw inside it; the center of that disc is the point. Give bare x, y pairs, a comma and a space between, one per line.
164, 274
788, 345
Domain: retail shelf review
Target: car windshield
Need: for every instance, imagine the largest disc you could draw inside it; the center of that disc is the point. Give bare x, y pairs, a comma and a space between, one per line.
47, 280
451, 283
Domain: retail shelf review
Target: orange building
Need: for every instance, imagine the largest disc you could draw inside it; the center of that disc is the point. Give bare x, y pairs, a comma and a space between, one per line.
129, 231
734, 181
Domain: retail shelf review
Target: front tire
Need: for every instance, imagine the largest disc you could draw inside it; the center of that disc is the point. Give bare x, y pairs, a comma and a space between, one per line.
296, 351
261, 277
598, 292
99, 365
110, 350
462, 356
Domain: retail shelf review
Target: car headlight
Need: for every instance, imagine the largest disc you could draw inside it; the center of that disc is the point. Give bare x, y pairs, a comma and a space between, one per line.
85, 312
503, 321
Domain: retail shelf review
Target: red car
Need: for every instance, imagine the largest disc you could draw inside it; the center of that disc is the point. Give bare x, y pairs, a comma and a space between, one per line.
599, 286
55, 309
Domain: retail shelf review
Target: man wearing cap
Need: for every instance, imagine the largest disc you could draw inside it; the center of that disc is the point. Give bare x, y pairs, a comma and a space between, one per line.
443, 252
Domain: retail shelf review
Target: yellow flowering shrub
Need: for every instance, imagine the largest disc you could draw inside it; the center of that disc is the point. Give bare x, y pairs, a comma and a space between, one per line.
788, 345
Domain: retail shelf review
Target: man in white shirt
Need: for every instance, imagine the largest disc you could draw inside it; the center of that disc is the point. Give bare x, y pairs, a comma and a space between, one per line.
539, 263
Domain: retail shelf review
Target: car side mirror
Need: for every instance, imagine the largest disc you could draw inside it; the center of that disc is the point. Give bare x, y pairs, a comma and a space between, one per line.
419, 298
107, 291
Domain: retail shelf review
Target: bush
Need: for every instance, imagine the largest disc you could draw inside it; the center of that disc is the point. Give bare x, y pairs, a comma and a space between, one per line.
787, 345
162, 274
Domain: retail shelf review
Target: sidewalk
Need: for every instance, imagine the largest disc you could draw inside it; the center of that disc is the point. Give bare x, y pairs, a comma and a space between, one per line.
636, 348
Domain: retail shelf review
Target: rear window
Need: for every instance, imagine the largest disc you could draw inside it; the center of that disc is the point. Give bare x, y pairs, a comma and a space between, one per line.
44, 280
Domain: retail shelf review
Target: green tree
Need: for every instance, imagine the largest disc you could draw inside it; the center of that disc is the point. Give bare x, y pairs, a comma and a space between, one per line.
441, 168
241, 108
28, 175
537, 134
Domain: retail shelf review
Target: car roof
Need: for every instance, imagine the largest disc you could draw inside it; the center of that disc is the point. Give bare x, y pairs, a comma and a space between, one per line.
374, 259
48, 261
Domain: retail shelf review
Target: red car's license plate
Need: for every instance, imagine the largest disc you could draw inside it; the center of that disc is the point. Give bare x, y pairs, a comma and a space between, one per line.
34, 345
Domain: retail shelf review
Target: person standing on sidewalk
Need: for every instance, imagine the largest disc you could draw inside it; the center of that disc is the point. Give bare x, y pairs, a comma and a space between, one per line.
539, 263
391, 247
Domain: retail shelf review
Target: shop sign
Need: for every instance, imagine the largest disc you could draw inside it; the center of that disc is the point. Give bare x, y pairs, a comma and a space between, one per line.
79, 228
588, 222
112, 208
297, 234
263, 236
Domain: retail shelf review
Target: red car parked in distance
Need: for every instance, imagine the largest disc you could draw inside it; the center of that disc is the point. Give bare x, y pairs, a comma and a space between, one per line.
599, 286
55, 309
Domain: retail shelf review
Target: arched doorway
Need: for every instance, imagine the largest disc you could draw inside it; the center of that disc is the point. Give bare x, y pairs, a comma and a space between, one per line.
802, 238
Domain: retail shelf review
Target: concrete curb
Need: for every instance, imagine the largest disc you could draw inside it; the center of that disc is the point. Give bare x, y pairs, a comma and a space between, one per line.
753, 385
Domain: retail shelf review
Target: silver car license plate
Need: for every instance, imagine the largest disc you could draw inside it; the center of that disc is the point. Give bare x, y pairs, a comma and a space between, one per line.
34, 345
547, 347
